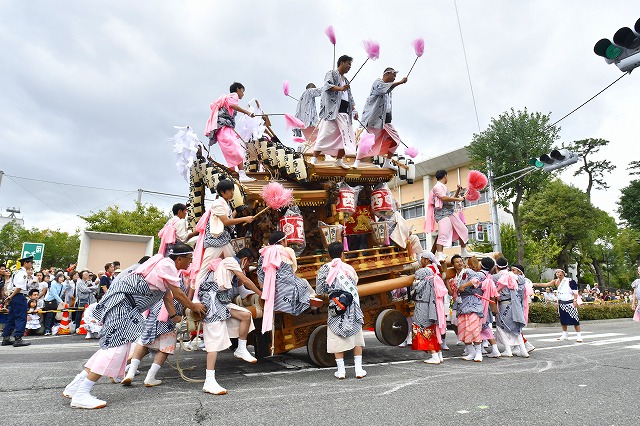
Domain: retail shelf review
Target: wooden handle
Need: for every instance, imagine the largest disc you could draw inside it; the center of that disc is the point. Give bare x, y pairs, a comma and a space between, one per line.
260, 212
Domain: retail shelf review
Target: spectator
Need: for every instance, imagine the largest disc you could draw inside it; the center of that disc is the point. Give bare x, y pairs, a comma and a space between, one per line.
5, 275
70, 288
51, 302
537, 296
596, 289
116, 264
33, 318
44, 285
85, 294
34, 295
71, 268
549, 297
105, 280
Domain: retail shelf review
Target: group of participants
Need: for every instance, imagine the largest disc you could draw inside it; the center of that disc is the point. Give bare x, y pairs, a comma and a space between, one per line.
142, 306
329, 131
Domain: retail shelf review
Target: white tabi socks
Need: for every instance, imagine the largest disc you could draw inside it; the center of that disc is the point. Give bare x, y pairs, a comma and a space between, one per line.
340, 373
495, 353
435, 359
478, 348
471, 353
151, 380
579, 337
211, 386
360, 373
83, 398
242, 352
131, 373
72, 387
444, 346
243, 176
564, 336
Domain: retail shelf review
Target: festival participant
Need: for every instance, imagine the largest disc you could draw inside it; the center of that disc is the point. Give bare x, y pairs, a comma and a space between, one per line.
510, 319
176, 229
214, 228
635, 297
220, 128
489, 293
120, 312
283, 290
470, 309
528, 292
376, 116
428, 316
441, 209
224, 319
159, 335
568, 300
15, 299
344, 326
335, 131
306, 112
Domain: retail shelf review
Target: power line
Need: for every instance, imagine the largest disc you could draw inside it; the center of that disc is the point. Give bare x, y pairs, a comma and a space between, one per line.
591, 98
67, 184
464, 51
32, 194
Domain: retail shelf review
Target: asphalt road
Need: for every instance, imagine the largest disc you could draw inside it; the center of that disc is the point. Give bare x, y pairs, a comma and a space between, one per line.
593, 383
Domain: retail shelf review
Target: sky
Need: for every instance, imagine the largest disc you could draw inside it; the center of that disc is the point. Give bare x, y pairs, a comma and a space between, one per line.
91, 90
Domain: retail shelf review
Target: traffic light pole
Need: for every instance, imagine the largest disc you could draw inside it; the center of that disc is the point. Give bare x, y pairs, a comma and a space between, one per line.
495, 223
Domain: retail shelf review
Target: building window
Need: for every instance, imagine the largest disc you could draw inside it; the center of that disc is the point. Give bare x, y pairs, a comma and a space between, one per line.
413, 211
423, 240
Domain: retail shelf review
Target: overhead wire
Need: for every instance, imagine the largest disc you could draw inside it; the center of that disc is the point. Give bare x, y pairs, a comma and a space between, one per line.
466, 61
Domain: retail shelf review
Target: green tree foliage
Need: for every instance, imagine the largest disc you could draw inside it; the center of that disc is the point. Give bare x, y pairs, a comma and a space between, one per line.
541, 254
60, 248
626, 255
561, 211
510, 141
145, 219
509, 242
629, 204
594, 169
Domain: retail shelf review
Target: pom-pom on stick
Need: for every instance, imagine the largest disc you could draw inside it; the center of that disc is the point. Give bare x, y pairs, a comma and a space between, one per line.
275, 196
373, 52
285, 89
418, 47
366, 143
477, 180
332, 38
293, 122
472, 194
299, 140
411, 152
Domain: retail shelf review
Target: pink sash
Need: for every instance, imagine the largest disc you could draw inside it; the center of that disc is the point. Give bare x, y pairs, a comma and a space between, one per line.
167, 234
433, 203
508, 279
337, 266
488, 291
271, 260
440, 290
224, 101
198, 252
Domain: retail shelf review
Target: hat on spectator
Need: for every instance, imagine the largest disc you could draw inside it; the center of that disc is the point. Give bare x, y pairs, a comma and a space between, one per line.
26, 259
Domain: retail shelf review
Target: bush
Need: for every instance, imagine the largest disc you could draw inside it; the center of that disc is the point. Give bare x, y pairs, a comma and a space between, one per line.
548, 312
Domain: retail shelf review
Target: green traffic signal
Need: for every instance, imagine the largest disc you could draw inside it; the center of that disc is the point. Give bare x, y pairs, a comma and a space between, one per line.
606, 49
536, 163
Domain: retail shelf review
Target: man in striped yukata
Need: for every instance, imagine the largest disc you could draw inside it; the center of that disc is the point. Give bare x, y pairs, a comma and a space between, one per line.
121, 310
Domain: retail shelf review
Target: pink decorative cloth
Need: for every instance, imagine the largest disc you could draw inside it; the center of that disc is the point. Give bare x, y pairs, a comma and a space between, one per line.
528, 291
337, 266
386, 141
489, 291
509, 280
168, 234
198, 252
440, 290
271, 261
224, 101
160, 272
230, 145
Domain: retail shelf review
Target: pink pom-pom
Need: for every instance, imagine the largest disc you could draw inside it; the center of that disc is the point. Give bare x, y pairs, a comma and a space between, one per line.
367, 140
472, 195
345, 242
372, 48
285, 87
331, 34
293, 122
411, 152
276, 196
299, 140
477, 180
418, 46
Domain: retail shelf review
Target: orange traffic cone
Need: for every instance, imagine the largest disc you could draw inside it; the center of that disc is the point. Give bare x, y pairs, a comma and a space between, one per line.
81, 329
64, 323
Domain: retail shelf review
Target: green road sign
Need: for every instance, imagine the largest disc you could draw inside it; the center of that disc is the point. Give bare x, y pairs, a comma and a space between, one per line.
37, 251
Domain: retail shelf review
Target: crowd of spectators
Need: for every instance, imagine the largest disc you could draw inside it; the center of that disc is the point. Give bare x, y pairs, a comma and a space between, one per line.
50, 289
588, 294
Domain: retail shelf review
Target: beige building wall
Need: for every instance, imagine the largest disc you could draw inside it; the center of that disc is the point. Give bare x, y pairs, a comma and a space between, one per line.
105, 251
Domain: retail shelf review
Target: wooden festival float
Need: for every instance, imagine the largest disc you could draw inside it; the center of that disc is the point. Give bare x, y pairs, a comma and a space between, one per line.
381, 266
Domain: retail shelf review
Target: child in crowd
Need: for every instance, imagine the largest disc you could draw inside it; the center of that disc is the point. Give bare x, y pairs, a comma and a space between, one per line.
33, 317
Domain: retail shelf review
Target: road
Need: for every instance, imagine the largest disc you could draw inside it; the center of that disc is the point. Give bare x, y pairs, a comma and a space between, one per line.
593, 383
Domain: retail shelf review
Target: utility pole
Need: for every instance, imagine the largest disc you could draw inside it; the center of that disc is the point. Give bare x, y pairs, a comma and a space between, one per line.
495, 223
139, 195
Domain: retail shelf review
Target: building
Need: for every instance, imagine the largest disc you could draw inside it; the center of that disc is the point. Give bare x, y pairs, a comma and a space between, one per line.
413, 199
99, 248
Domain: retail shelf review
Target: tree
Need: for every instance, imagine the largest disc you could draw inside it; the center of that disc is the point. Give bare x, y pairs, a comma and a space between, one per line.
60, 248
539, 254
509, 241
145, 219
629, 204
594, 170
12, 235
510, 141
564, 212
625, 257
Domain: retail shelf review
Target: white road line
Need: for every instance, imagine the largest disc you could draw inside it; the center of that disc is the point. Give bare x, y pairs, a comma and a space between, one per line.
612, 341
592, 336
633, 347
557, 333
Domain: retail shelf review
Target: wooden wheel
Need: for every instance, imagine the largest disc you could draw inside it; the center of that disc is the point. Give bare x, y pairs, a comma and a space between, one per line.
391, 327
317, 348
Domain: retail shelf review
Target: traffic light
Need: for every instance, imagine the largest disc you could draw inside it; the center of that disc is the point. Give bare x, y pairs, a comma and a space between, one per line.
624, 51
556, 159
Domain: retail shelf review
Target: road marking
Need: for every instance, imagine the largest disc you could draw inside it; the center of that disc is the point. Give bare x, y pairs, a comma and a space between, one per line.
592, 336
304, 370
633, 347
612, 341
462, 412
533, 336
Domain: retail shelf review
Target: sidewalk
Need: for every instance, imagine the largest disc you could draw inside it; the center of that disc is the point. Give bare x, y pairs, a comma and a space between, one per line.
557, 324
